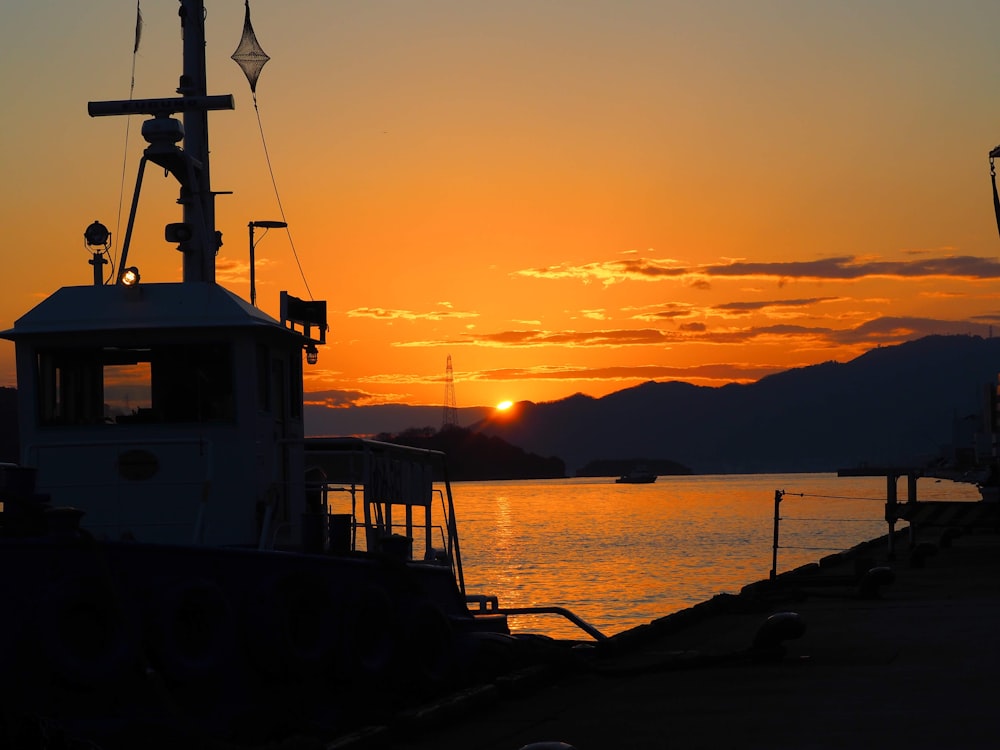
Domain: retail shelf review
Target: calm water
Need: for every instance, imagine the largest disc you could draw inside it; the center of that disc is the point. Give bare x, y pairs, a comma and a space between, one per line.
622, 555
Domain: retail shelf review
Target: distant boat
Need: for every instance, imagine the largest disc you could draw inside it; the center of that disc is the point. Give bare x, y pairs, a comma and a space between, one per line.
638, 475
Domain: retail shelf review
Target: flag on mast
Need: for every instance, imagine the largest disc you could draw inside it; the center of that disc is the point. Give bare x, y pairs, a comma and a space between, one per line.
138, 27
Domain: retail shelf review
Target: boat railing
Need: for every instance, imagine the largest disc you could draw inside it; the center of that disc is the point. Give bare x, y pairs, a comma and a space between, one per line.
387, 492
489, 605
430, 539
428, 552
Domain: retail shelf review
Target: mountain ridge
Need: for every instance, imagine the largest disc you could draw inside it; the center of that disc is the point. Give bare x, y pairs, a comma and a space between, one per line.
890, 405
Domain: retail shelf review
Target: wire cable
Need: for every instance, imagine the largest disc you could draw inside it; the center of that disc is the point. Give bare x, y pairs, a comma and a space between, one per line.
128, 127
835, 497
277, 196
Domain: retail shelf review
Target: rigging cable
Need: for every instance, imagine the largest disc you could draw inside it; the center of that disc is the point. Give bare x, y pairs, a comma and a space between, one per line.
277, 197
128, 124
251, 58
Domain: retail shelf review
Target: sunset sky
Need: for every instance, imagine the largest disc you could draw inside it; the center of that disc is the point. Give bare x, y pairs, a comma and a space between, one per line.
563, 195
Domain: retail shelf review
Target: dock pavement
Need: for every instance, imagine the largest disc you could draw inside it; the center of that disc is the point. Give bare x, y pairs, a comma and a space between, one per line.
866, 649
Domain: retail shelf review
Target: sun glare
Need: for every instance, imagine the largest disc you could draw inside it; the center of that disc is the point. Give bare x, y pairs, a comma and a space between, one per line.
504, 405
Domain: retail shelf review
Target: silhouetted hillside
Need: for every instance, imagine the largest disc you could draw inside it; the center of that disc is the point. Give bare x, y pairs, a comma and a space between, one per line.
617, 467
891, 405
473, 455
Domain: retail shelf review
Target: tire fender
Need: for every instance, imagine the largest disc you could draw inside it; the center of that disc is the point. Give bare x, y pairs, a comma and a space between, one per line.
190, 631
372, 637
83, 633
293, 627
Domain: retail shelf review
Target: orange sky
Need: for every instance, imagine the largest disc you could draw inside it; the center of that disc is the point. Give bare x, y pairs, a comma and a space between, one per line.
564, 195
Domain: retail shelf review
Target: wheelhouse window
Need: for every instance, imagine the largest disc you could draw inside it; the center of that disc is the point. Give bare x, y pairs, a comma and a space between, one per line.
123, 385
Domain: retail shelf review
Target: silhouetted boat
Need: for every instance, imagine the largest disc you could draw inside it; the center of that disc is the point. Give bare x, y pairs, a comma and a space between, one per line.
176, 554
638, 475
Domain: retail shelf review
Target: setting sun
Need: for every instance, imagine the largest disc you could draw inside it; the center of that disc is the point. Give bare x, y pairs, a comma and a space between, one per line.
504, 405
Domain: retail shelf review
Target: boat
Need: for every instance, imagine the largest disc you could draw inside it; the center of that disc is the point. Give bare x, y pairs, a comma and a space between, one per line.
178, 558
638, 475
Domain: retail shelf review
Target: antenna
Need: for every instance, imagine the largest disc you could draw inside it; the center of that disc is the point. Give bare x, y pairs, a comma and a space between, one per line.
450, 416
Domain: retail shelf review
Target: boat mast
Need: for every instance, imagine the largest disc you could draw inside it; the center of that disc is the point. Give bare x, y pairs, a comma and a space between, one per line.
197, 198
195, 236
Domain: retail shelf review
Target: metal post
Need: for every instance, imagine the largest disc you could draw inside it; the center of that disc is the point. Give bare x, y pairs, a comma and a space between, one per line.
891, 511
911, 503
253, 283
253, 287
98, 262
778, 494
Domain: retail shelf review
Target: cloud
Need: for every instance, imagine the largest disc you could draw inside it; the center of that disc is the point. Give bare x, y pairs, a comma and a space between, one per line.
231, 271
334, 399
937, 294
843, 268
851, 268
892, 330
668, 311
537, 338
344, 399
727, 372
882, 330
787, 333
735, 310
749, 307
610, 272
381, 313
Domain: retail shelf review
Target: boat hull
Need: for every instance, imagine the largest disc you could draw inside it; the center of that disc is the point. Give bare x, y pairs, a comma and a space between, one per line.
108, 636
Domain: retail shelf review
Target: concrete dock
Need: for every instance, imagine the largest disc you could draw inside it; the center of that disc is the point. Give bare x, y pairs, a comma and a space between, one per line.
911, 663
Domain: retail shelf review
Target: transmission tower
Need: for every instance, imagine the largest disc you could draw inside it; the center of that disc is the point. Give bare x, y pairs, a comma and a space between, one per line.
450, 416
